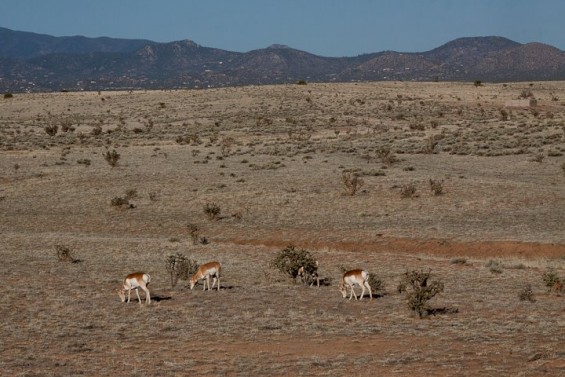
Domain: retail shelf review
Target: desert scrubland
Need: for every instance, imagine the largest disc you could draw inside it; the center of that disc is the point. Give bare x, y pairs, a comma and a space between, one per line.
389, 177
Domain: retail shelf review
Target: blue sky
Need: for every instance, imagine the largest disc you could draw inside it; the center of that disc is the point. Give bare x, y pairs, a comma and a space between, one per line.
322, 27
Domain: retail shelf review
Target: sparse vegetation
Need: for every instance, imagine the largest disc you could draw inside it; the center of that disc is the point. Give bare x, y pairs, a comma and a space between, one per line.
212, 210
289, 260
351, 182
552, 281
494, 266
51, 130
526, 293
180, 267
459, 260
408, 190
419, 289
436, 186
377, 284
64, 254
194, 232
492, 207
118, 201
112, 157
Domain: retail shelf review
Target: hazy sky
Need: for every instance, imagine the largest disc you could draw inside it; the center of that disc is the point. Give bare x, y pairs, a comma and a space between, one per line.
322, 27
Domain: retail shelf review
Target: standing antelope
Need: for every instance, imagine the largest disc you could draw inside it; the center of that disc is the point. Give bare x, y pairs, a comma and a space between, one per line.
311, 276
350, 278
135, 281
204, 272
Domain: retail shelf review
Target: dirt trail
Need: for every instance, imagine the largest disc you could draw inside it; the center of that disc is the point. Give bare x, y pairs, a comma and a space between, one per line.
445, 248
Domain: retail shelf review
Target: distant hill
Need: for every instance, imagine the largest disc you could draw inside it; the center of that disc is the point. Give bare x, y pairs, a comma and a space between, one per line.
26, 45
36, 62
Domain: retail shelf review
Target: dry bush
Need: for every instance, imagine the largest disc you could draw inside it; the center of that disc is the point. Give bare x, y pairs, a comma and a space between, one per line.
494, 266
180, 267
526, 293
552, 281
194, 233
419, 290
436, 186
432, 144
118, 201
290, 259
96, 130
526, 93
64, 254
408, 190
51, 130
351, 182
226, 145
503, 115
212, 210
386, 156
460, 261
376, 283
538, 157
131, 194
112, 157
417, 126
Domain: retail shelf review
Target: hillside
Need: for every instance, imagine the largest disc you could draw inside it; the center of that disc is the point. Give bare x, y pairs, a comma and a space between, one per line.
35, 62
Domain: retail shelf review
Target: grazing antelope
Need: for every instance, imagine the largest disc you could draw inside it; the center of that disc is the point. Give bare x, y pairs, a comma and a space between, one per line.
350, 278
133, 282
310, 275
204, 272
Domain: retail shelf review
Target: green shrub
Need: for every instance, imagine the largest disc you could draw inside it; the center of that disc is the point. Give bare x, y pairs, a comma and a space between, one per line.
290, 259
419, 290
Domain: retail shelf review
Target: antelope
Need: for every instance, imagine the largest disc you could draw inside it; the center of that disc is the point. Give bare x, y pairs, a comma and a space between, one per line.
310, 275
204, 272
350, 278
133, 282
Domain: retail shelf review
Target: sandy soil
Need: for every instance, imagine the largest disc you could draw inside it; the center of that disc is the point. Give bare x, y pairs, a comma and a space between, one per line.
273, 159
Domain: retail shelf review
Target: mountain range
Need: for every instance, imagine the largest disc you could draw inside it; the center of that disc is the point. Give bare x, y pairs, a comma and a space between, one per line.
37, 62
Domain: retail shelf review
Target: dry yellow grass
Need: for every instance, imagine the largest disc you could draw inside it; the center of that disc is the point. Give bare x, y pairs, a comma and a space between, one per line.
272, 158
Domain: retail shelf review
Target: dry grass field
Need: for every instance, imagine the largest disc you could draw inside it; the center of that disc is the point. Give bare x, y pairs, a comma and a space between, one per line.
273, 161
